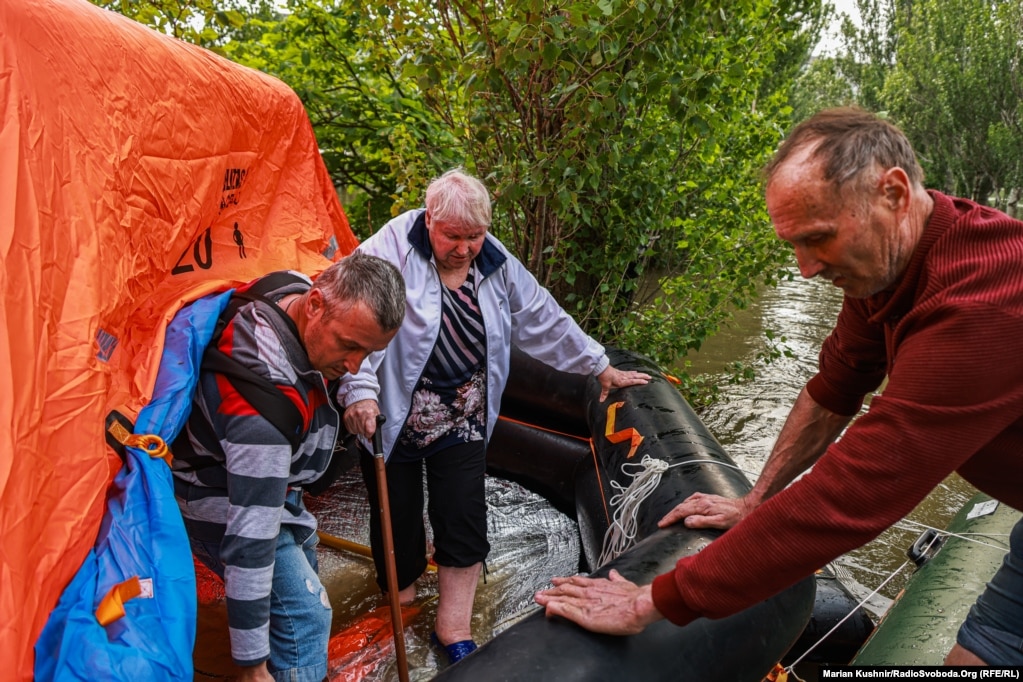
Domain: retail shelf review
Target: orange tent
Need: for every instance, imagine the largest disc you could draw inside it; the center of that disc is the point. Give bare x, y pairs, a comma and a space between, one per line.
136, 172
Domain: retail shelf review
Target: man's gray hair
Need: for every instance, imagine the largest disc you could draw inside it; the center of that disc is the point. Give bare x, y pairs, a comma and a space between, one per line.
459, 198
359, 277
852, 145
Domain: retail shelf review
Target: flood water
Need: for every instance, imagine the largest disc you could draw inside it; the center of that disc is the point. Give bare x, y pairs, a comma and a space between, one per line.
749, 416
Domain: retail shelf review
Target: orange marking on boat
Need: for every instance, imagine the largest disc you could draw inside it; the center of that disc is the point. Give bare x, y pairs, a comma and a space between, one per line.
630, 434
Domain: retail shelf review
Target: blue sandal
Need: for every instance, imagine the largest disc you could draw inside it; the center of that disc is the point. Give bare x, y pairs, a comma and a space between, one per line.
456, 651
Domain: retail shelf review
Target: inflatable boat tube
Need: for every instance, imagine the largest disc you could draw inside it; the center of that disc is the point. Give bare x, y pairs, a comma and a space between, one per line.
555, 437
921, 626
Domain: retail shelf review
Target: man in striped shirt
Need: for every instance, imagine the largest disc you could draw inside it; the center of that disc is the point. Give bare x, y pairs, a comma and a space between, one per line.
240, 487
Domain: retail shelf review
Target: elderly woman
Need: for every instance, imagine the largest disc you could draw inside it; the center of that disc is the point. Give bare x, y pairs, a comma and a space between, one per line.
440, 381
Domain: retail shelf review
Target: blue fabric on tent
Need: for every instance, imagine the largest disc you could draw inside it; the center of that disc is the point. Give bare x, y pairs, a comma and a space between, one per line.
142, 535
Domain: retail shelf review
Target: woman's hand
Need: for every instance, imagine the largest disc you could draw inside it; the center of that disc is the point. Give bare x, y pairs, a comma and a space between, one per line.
612, 378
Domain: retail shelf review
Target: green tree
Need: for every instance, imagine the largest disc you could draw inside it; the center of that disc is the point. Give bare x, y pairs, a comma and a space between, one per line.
359, 105
622, 138
949, 73
870, 48
821, 85
202, 22
855, 71
954, 87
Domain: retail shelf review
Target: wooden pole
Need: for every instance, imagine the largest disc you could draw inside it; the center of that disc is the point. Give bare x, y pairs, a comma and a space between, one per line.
392, 570
334, 542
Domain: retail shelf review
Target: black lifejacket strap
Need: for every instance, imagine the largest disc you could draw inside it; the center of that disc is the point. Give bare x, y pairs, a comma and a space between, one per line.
257, 390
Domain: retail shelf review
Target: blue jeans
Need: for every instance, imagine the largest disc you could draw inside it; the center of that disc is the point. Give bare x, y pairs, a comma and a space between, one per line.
994, 628
300, 612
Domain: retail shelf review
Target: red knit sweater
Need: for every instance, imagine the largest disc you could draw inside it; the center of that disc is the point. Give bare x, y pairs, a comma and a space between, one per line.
949, 337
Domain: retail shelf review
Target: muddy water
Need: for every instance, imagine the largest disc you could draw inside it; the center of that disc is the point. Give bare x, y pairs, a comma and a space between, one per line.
530, 541
749, 417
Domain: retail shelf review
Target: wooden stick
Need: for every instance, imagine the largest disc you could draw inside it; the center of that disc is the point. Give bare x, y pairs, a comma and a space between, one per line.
334, 542
392, 570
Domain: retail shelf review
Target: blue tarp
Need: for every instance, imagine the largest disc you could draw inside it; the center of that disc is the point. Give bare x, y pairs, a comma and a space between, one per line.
142, 535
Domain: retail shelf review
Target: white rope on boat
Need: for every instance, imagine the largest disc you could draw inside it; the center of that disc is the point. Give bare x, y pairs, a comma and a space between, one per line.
847, 616
962, 536
621, 535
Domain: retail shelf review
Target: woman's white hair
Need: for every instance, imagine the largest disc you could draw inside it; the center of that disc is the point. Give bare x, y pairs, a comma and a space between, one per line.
459, 198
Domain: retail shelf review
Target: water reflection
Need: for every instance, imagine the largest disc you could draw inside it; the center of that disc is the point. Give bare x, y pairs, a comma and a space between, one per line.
749, 417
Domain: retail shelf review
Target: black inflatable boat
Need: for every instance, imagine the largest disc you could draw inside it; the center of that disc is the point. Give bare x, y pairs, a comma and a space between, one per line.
557, 439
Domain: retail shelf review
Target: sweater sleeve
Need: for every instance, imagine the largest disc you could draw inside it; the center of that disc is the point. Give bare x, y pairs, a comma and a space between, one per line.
364, 384
852, 361
258, 461
954, 393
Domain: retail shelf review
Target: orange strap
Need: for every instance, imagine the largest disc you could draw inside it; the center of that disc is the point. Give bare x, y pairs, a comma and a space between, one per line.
629, 434
154, 446
111, 607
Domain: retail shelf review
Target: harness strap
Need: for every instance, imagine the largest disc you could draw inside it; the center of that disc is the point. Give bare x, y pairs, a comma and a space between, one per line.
257, 390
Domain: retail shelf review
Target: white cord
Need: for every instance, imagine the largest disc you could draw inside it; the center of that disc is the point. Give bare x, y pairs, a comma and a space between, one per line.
846, 617
621, 535
962, 536
886, 581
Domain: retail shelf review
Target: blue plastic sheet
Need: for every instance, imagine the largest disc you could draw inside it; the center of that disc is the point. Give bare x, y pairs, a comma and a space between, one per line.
142, 535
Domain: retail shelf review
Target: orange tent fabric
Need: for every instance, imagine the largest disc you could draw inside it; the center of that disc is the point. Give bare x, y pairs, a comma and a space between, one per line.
136, 172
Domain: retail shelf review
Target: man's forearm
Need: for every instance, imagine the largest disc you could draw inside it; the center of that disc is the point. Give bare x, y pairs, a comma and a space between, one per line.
807, 433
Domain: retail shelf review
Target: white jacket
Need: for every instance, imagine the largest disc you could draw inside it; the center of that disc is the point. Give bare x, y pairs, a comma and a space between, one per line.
516, 310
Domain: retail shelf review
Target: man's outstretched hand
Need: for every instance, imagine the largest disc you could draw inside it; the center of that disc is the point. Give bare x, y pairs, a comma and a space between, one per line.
612, 605
701, 510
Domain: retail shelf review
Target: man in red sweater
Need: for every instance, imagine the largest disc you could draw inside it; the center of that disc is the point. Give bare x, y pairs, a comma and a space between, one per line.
934, 301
